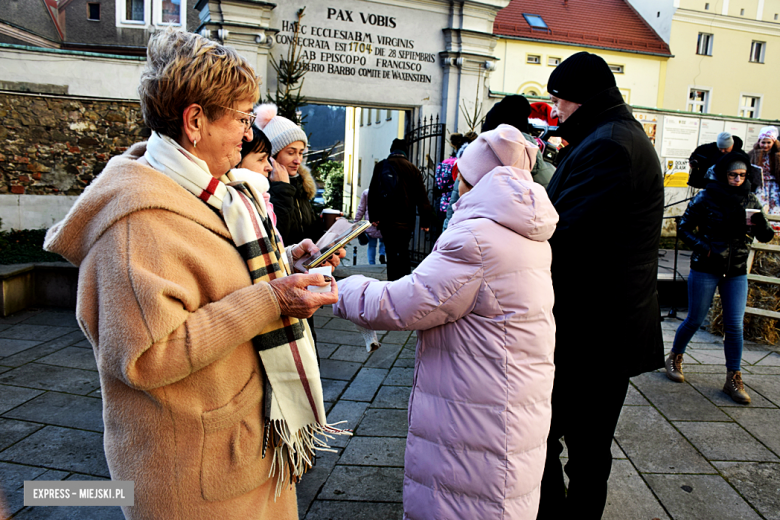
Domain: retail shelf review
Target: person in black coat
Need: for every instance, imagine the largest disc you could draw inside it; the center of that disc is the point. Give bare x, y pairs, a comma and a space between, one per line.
395, 195
608, 191
719, 226
705, 156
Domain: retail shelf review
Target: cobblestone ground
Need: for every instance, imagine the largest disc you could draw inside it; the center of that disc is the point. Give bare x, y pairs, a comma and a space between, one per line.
682, 451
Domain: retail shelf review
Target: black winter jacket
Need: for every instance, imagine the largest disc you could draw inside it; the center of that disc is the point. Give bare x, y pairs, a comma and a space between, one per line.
714, 225
410, 198
295, 218
608, 191
705, 156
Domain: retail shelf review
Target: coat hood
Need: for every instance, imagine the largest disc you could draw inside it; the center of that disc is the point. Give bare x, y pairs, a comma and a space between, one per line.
504, 146
509, 197
307, 181
124, 187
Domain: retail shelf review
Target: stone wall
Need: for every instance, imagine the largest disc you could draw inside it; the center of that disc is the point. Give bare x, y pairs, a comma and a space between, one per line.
55, 145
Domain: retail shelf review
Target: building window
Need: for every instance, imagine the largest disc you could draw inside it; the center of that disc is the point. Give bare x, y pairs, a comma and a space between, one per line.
616, 69
742, 12
775, 16
389, 115
757, 52
362, 116
93, 12
749, 106
553, 62
533, 59
531, 93
370, 113
706, 7
378, 116
360, 172
169, 12
535, 21
135, 11
704, 45
698, 100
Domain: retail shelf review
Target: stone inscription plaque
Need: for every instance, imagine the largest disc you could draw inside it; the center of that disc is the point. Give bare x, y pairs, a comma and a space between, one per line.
363, 43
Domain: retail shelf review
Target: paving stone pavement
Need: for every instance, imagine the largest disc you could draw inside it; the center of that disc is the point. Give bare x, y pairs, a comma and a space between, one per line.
682, 451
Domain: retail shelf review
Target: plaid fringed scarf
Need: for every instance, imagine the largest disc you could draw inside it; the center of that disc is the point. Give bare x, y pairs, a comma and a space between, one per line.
294, 413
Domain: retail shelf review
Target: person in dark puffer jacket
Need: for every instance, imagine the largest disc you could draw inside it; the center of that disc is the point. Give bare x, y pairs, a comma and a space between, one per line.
716, 226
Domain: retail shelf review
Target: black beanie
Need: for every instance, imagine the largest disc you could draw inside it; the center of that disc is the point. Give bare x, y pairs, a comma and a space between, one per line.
580, 77
512, 110
399, 145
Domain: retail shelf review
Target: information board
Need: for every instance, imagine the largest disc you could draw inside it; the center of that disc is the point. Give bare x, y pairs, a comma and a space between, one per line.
680, 137
709, 130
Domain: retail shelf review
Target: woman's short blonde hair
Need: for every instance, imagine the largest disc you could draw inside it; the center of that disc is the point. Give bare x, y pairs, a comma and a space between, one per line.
184, 68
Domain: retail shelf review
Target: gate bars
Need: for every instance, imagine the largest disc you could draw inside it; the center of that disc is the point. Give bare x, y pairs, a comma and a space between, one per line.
426, 149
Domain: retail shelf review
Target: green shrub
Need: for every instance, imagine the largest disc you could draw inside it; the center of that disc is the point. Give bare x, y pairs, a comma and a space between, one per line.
333, 173
22, 246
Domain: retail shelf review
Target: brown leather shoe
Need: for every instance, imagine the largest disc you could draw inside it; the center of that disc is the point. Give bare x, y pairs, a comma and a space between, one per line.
674, 367
735, 388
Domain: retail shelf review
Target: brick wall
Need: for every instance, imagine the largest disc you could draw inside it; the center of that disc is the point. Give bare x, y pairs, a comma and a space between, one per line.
52, 145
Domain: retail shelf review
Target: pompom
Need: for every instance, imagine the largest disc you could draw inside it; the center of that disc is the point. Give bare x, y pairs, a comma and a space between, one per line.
265, 113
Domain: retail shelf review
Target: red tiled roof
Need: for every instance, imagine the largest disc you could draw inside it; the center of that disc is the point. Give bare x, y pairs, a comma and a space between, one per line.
611, 24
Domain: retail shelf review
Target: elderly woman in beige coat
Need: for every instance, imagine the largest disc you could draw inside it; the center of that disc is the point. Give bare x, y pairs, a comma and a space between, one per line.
212, 400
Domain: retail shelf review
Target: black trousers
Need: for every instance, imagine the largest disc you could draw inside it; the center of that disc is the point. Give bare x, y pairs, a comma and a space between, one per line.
585, 411
397, 252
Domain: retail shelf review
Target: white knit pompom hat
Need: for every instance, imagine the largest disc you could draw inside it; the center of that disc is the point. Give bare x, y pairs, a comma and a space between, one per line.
280, 131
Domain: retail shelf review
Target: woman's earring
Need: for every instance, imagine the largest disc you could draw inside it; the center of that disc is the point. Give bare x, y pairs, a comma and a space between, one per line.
195, 143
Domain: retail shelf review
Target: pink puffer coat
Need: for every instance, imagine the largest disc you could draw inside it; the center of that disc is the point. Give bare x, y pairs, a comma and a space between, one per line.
482, 302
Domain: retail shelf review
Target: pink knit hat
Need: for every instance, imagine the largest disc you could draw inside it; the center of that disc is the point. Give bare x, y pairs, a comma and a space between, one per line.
504, 146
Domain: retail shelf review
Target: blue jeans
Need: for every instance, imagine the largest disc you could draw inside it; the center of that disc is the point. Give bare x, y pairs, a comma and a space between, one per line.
372, 249
733, 297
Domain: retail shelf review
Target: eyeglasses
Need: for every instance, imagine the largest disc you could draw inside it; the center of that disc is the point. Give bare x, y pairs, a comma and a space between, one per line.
247, 122
734, 175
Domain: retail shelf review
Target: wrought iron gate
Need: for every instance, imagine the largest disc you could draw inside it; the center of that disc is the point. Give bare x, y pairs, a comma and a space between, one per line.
426, 149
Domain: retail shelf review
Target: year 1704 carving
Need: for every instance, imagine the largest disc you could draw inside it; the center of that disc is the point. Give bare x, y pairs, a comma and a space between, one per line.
360, 47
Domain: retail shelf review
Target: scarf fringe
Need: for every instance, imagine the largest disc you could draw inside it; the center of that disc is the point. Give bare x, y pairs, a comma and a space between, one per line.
293, 453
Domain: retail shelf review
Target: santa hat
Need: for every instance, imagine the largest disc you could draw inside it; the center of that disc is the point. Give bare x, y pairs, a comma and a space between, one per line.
540, 115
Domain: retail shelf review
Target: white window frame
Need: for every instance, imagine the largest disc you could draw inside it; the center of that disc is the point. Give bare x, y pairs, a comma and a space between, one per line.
121, 6
550, 61
182, 14
152, 15
530, 57
761, 53
708, 44
756, 110
704, 104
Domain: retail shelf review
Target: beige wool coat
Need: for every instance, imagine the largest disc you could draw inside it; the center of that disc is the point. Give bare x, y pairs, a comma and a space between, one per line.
167, 303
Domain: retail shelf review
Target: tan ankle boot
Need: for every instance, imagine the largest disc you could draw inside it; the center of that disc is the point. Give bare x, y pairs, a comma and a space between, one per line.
735, 388
674, 367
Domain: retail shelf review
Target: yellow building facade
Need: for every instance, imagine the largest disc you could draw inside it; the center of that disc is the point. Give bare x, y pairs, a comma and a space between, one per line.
525, 66
726, 58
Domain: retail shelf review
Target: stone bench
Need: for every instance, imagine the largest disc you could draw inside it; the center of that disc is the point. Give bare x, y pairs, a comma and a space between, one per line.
24, 285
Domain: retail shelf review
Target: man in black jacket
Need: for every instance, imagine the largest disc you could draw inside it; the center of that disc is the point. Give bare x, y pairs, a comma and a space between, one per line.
395, 195
608, 192
706, 155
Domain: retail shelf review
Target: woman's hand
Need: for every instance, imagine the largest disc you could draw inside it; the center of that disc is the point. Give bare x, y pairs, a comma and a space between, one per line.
307, 246
335, 259
279, 173
298, 302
